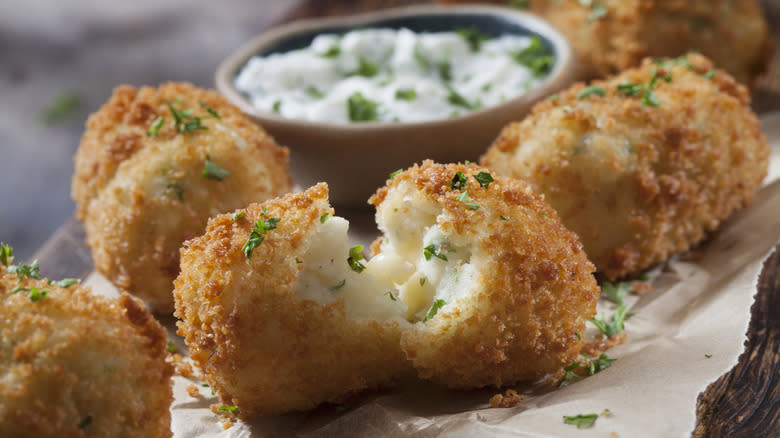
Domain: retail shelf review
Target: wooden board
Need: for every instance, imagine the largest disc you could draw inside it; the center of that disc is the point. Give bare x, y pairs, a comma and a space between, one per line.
743, 402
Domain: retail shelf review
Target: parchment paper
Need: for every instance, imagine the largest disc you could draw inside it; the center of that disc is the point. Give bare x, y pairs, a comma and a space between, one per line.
696, 309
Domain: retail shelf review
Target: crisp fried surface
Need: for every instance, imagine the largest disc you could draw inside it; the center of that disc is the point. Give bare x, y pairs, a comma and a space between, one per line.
140, 197
74, 355
259, 346
638, 182
534, 292
734, 34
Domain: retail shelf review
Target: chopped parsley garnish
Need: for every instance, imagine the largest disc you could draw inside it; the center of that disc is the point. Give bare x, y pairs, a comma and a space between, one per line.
707, 355
615, 325
520, 4
644, 277
578, 370
616, 292
629, 89
361, 109
394, 174
457, 99
212, 170
578, 335
185, 121
38, 294
536, 57
256, 238
66, 282
339, 286
422, 61
503, 218
459, 181
237, 215
85, 422
210, 110
473, 37
423, 280
580, 420
445, 70
22, 270
19, 289
176, 189
710, 74
406, 94
314, 92
431, 251
366, 68
171, 347
355, 256
277, 106
6, 254
156, 125
332, 52
298, 260
437, 304
62, 106
589, 91
484, 179
650, 99
227, 408
466, 200
391, 296
324, 217
598, 11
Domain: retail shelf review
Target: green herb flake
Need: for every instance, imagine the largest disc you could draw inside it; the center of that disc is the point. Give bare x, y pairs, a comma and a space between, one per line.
85, 422
277, 106
38, 294
184, 120
578, 335
419, 56
212, 170
437, 304
503, 218
590, 91
63, 106
650, 99
338, 286
710, 74
204, 384
536, 57
457, 99
431, 251
391, 296
298, 260
707, 355
361, 109
332, 52
615, 325
473, 37
256, 237
394, 174
445, 70
520, 4
210, 110
598, 11
616, 292
366, 68
355, 256
22, 270
466, 200
227, 409
171, 347
423, 280
484, 179
66, 282
6, 254
314, 92
581, 421
156, 125
19, 289
459, 181
237, 216
407, 94
176, 189
629, 89
324, 217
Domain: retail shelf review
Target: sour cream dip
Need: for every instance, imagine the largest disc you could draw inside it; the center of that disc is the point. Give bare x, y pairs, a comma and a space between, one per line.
394, 75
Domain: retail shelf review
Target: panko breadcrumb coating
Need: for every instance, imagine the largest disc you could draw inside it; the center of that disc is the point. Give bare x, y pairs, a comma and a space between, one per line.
73, 364
262, 343
514, 291
153, 166
476, 280
642, 165
609, 36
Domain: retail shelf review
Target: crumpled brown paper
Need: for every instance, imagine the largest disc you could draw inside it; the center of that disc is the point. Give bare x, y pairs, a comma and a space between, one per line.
686, 332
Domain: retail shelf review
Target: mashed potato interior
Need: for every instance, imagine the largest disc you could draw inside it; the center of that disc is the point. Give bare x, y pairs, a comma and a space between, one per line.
418, 265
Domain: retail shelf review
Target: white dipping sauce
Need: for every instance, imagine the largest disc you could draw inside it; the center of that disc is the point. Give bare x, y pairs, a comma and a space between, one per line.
392, 75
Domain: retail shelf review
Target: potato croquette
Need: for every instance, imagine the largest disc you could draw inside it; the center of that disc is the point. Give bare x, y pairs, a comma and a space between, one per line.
475, 283
609, 36
153, 166
642, 165
73, 364
495, 286
273, 332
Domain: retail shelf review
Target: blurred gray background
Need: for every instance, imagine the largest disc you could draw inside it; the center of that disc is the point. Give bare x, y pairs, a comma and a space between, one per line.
72, 53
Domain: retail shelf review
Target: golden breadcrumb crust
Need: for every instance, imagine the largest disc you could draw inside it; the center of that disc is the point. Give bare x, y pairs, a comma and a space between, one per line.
609, 36
535, 290
74, 364
141, 195
259, 346
639, 183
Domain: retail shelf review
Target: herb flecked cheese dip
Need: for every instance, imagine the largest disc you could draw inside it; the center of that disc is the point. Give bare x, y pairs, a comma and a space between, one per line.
389, 75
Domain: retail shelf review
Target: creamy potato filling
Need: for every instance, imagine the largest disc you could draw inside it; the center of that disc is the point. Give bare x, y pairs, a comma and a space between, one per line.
419, 267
